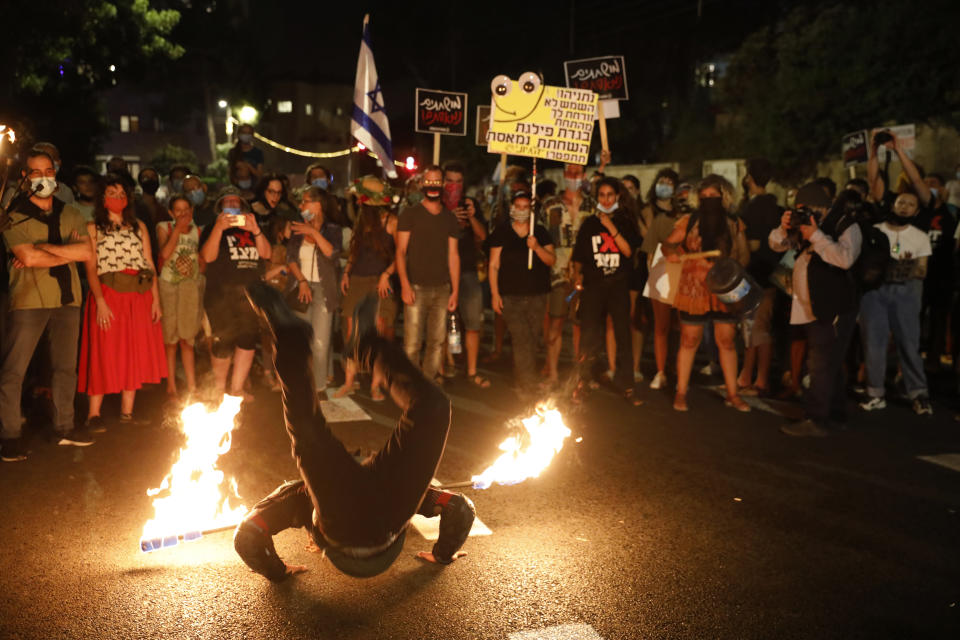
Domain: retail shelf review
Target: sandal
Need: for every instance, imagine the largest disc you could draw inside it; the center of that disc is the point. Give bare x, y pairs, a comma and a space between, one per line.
630, 397
737, 403
680, 402
478, 380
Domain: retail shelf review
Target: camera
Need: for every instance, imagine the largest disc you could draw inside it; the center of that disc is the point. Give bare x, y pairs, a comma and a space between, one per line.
882, 138
800, 216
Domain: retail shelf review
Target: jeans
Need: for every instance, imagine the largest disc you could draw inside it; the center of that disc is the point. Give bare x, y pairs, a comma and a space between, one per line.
598, 299
24, 327
524, 318
428, 313
321, 319
827, 344
893, 307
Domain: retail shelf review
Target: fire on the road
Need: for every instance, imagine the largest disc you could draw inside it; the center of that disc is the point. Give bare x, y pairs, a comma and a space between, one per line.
529, 452
192, 498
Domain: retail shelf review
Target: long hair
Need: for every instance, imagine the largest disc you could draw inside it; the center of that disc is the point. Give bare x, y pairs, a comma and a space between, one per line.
261, 188
668, 173
367, 232
628, 209
101, 217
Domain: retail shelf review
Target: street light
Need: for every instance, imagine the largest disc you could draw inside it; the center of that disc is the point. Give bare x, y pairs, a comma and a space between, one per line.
247, 114
222, 104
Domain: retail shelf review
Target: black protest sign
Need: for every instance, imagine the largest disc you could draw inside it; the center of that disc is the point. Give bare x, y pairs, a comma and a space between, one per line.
606, 76
483, 124
441, 112
854, 148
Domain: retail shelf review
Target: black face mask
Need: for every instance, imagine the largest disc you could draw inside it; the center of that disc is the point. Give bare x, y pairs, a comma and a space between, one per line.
150, 186
713, 223
900, 220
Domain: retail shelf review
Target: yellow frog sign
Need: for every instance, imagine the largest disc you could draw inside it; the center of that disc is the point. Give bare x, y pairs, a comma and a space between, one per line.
535, 120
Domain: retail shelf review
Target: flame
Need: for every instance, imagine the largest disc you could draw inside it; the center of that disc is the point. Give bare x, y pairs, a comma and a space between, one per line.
528, 453
193, 498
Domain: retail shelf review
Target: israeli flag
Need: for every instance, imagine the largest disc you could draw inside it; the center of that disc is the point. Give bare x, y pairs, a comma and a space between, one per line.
369, 124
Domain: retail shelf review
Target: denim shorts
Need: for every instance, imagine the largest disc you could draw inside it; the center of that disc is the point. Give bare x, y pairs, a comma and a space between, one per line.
470, 301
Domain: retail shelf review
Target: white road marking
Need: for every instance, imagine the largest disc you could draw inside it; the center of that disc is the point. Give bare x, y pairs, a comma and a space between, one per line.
560, 632
948, 460
429, 528
343, 410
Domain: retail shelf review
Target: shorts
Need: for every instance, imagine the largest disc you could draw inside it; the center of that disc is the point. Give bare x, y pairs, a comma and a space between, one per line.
470, 301
557, 305
756, 330
360, 288
233, 322
180, 303
717, 317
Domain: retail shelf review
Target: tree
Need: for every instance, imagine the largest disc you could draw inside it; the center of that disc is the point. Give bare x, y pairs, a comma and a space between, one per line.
170, 155
57, 54
794, 88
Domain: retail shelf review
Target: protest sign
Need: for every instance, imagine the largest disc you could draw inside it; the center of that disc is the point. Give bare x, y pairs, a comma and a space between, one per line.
854, 148
606, 75
537, 121
441, 112
483, 124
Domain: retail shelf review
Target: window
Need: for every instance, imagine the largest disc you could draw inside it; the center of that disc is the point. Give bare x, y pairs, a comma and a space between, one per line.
134, 124
308, 109
285, 106
125, 124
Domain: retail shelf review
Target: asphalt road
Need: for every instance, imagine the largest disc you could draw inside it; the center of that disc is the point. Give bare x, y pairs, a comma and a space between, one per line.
709, 524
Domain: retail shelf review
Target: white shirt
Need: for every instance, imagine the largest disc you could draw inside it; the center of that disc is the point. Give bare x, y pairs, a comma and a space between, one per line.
842, 253
308, 262
906, 243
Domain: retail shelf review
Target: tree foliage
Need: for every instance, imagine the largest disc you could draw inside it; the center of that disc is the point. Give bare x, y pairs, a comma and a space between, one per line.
795, 87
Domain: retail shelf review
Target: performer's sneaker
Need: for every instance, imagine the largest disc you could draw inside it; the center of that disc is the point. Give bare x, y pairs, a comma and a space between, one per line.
75, 438
11, 450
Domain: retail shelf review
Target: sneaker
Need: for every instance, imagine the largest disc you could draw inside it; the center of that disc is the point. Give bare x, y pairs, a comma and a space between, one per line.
874, 404
659, 380
11, 450
707, 370
637, 376
922, 406
75, 438
608, 374
804, 429
95, 424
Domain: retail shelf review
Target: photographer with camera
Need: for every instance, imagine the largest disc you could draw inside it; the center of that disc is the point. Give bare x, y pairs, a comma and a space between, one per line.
827, 241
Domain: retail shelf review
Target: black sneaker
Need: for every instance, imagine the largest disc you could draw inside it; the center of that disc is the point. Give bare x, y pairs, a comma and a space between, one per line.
95, 425
75, 438
11, 450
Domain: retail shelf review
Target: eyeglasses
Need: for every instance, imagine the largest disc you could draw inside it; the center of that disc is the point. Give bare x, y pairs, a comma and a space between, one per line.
274, 192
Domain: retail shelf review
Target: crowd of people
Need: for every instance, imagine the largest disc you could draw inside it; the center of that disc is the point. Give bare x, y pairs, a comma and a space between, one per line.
109, 277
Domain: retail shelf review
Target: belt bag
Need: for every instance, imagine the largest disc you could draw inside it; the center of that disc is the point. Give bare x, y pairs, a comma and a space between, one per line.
123, 282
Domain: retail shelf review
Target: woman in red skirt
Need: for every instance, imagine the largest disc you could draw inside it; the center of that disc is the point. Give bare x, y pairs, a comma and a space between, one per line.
122, 346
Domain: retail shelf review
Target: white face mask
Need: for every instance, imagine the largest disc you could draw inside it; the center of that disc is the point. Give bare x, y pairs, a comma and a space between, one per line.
572, 184
609, 209
518, 215
43, 187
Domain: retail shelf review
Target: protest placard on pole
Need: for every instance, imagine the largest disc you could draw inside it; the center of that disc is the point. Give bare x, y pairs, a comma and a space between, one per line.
441, 113
854, 148
541, 121
605, 75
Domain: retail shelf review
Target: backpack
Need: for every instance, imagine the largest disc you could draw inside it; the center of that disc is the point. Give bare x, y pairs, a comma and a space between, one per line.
871, 265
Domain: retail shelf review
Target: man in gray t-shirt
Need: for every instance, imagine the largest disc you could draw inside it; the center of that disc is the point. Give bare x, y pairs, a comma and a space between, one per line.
428, 264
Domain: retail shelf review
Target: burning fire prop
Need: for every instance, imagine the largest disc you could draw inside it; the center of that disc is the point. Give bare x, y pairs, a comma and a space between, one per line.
191, 501
528, 452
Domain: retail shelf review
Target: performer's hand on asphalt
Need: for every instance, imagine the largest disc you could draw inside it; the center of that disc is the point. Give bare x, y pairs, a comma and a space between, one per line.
312, 547
293, 569
428, 556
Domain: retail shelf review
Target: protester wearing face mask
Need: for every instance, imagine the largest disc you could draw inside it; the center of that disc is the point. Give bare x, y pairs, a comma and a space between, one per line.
234, 249
46, 239
122, 346
318, 176
601, 269
313, 259
825, 300
473, 232
519, 293
244, 154
709, 227
564, 214
935, 219
86, 184
195, 190
63, 191
660, 215
173, 184
428, 264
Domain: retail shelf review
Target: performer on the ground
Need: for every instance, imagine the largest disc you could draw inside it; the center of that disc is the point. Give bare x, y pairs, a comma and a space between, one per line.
356, 512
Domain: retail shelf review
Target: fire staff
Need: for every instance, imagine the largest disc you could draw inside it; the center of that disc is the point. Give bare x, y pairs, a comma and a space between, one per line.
356, 512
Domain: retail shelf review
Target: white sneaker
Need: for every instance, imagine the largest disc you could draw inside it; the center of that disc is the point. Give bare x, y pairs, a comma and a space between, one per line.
637, 376
608, 374
707, 369
874, 404
659, 380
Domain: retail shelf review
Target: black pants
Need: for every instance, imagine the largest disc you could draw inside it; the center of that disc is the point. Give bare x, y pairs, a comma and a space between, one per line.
524, 318
827, 344
610, 296
363, 504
